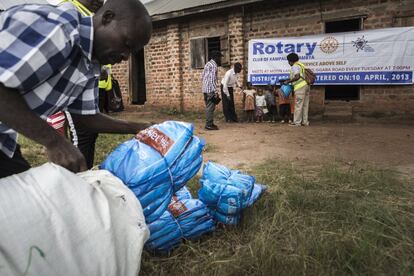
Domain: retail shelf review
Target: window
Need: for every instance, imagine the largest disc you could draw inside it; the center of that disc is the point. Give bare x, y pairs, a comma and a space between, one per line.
342, 92
201, 49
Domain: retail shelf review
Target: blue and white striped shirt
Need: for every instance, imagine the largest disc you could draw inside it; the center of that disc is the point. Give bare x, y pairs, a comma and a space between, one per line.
210, 77
46, 55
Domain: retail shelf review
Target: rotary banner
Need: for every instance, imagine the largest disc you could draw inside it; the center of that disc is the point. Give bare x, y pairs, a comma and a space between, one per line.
372, 57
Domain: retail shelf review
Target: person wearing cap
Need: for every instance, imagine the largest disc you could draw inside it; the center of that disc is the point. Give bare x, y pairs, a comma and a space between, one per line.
209, 88
229, 81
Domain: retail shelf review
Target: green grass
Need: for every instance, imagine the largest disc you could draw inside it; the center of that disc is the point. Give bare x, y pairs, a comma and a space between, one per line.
353, 220
331, 219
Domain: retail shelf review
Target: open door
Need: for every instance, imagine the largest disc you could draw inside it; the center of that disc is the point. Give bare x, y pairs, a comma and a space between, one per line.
137, 78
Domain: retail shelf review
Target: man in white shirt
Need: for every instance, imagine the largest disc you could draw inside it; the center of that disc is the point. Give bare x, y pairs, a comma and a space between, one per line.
228, 83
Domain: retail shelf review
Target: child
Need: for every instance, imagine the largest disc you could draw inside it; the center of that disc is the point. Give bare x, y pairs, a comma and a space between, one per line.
284, 106
249, 102
260, 106
271, 103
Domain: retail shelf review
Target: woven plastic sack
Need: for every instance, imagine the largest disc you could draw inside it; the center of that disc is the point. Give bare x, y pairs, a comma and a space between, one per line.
85, 224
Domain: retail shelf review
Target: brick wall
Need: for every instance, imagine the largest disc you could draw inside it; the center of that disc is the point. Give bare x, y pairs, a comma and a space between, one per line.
171, 82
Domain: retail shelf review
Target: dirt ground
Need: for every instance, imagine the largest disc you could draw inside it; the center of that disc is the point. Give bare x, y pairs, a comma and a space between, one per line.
243, 145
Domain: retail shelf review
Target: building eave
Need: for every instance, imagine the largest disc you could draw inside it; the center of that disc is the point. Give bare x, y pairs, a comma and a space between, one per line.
202, 9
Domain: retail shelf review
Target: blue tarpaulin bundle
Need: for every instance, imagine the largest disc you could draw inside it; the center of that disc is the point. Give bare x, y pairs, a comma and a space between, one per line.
185, 218
227, 192
156, 163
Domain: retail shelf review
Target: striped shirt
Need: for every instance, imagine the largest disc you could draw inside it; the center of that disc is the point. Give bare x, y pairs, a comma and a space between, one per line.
210, 77
46, 55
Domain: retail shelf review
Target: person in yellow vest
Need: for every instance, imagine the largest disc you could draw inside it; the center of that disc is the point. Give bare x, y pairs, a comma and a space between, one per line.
105, 85
301, 90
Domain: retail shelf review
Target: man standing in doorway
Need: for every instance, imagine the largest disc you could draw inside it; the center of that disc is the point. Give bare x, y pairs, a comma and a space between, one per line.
227, 86
301, 90
209, 88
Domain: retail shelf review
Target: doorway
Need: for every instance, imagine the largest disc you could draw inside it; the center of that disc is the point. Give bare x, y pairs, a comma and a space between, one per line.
343, 92
137, 77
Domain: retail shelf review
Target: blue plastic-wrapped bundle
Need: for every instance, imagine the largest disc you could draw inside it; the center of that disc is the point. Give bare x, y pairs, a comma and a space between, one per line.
184, 219
258, 190
223, 198
185, 168
217, 173
183, 193
227, 192
225, 219
157, 162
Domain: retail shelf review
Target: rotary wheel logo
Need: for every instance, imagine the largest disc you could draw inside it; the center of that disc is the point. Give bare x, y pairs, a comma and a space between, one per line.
329, 45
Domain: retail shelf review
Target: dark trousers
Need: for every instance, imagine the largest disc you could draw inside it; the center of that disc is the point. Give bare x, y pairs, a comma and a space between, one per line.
284, 111
272, 115
16, 164
85, 141
103, 100
210, 107
228, 106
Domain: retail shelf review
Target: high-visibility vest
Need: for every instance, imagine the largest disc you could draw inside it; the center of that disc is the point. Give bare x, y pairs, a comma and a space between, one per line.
81, 8
103, 84
300, 82
106, 84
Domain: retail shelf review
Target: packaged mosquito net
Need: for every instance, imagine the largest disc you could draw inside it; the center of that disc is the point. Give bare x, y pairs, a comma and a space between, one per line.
157, 162
227, 192
185, 218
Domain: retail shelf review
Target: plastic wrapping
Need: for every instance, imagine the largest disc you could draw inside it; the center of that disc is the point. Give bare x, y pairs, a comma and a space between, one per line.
227, 192
184, 219
157, 162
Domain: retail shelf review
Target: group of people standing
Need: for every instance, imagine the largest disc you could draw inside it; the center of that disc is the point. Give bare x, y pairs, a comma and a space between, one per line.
258, 103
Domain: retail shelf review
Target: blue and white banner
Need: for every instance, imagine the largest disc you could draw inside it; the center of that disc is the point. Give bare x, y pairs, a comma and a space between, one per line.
372, 57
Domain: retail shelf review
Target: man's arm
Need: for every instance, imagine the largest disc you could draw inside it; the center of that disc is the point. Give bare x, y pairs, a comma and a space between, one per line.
296, 77
225, 83
15, 113
101, 123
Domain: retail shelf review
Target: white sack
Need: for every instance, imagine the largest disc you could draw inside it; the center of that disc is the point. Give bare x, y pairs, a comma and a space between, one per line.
85, 224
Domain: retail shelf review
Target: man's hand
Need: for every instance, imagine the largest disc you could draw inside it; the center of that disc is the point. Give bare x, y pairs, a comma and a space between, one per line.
63, 153
15, 113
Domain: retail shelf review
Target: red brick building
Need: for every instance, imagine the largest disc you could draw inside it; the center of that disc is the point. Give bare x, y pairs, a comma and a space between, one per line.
168, 71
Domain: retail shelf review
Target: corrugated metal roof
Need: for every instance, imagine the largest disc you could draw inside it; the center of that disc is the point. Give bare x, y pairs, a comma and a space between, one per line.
166, 6
5, 4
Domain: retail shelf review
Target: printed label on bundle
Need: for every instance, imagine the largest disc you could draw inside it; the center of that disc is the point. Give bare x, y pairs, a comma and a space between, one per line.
155, 139
176, 208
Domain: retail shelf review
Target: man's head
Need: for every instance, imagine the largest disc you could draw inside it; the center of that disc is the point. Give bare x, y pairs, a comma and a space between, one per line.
292, 58
120, 28
92, 5
237, 67
216, 56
